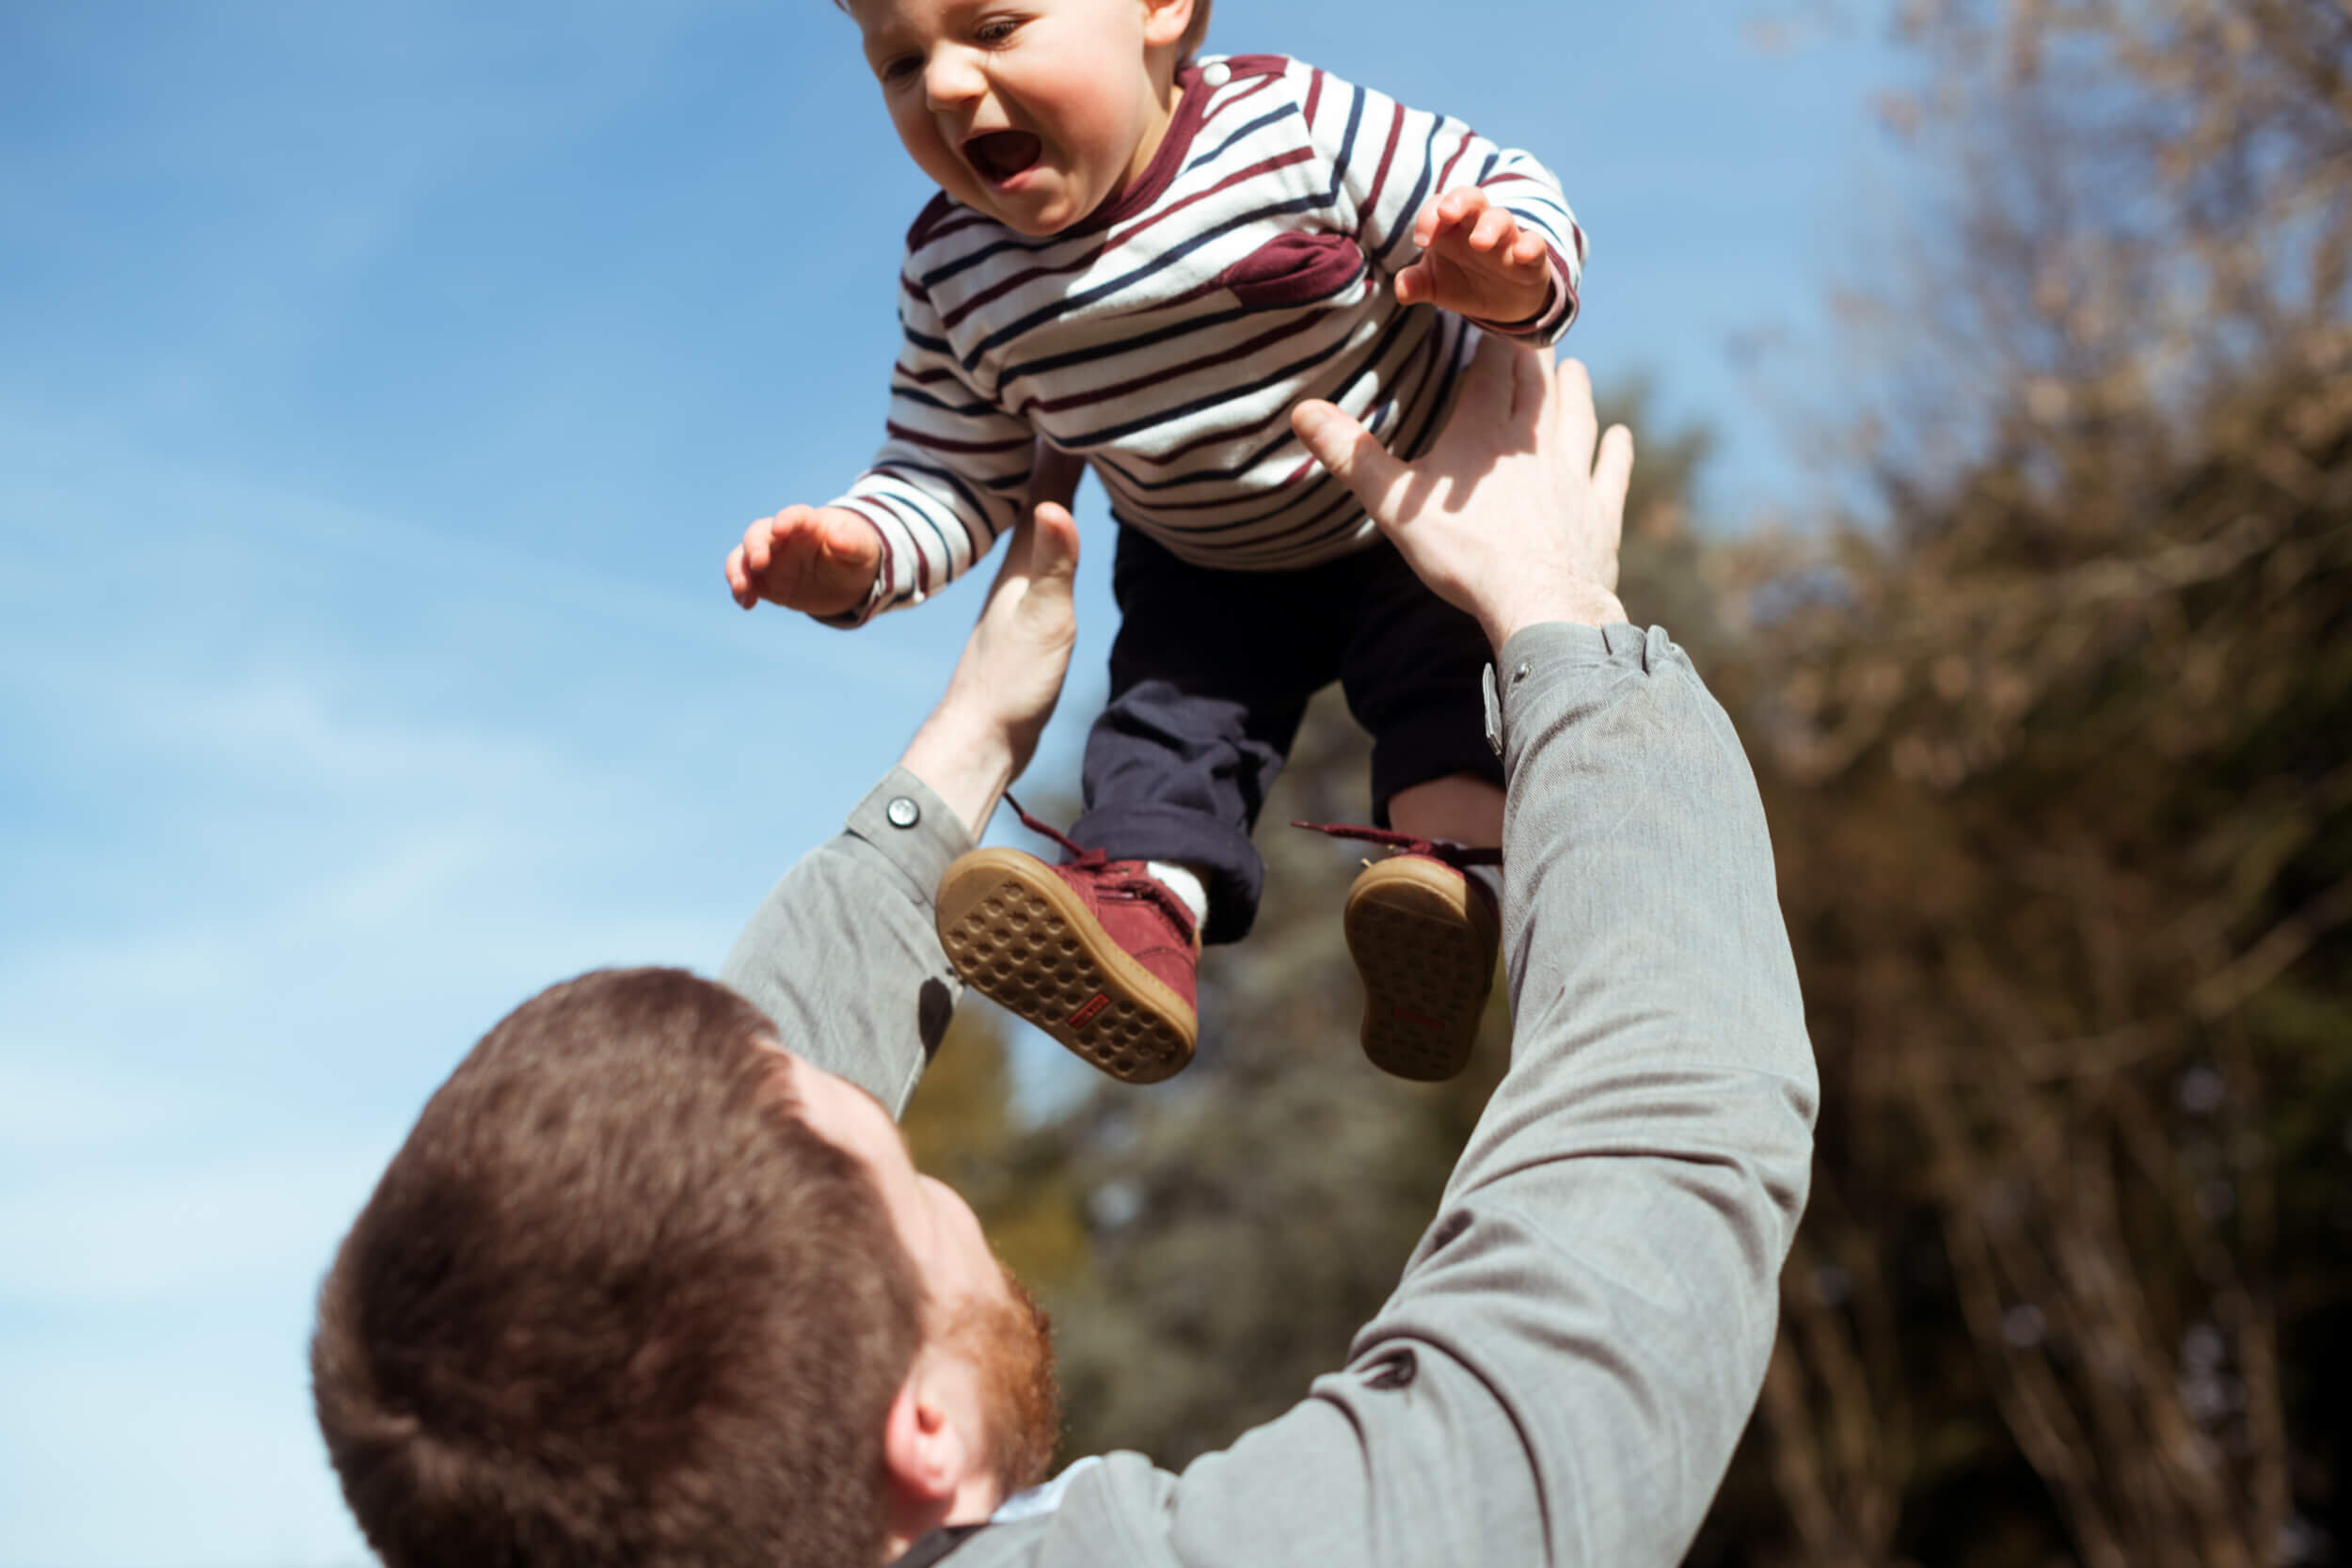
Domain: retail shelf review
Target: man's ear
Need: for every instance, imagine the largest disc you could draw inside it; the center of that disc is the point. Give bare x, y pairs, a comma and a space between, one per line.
922, 1448
1164, 23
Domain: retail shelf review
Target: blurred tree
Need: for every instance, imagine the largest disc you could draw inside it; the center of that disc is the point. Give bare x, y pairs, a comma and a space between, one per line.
2060, 762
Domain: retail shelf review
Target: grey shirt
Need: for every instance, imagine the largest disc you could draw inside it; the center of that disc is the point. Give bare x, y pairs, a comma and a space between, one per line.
1576, 1342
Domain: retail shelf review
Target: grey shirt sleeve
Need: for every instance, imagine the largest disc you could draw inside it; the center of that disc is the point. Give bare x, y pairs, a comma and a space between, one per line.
1577, 1341
1579, 1337
843, 954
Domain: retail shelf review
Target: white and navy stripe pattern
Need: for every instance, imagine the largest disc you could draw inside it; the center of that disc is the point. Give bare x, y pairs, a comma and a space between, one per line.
1166, 337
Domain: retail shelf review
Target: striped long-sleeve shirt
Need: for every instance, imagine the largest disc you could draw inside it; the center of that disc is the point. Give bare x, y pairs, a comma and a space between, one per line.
1166, 339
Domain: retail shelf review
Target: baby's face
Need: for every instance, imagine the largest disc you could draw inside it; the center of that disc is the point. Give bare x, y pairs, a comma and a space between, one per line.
1031, 111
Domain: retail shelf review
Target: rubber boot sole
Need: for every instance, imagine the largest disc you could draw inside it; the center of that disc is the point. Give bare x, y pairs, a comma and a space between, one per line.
1020, 937
1425, 946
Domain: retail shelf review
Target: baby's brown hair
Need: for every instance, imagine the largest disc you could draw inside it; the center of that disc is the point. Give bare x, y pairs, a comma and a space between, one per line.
1195, 32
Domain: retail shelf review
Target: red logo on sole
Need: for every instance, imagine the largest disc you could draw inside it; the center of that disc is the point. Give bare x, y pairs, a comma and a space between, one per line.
1407, 1015
1090, 1010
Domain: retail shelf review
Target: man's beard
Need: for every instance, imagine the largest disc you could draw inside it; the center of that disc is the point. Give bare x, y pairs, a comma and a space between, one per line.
1012, 1343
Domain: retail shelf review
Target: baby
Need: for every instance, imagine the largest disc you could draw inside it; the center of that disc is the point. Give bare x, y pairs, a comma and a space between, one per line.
1145, 261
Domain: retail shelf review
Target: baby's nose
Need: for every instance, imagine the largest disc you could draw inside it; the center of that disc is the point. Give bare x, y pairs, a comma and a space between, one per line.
953, 77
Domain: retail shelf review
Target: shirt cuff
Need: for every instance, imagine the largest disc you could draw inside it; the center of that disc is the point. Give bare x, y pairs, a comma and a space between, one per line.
1540, 659
913, 829
848, 620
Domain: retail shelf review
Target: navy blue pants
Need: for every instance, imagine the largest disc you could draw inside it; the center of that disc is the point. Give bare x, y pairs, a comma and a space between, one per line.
1209, 677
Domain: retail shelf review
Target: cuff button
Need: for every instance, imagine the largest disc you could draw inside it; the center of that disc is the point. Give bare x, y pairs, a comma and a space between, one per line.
903, 813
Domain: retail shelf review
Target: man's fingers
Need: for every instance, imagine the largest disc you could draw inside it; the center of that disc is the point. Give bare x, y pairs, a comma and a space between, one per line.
1531, 379
1579, 425
1613, 475
1054, 543
1489, 398
1350, 452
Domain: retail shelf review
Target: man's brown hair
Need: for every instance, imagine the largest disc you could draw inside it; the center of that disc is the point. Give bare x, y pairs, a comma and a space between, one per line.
615, 1303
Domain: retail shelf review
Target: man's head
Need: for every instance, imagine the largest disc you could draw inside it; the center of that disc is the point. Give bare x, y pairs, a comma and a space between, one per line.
641, 1288
1034, 113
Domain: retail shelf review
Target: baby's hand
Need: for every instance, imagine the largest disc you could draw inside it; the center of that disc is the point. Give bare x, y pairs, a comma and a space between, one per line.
1476, 260
817, 558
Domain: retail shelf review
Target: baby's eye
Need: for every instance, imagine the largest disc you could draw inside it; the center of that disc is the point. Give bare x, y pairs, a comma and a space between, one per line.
899, 68
996, 29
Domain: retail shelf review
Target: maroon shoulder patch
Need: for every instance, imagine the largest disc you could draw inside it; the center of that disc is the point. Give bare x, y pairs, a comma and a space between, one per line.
1257, 65
937, 208
1295, 268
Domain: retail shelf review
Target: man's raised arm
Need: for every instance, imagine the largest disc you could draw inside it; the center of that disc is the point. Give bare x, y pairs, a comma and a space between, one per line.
1578, 1340
842, 954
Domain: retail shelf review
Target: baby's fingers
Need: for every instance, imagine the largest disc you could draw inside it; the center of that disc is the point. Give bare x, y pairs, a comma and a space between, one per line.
1496, 227
756, 544
1456, 207
739, 580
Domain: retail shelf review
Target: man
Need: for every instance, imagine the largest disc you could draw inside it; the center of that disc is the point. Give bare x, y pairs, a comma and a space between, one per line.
654, 1281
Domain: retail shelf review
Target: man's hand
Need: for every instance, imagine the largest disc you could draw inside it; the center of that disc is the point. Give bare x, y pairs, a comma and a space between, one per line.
817, 558
1509, 516
1476, 260
986, 728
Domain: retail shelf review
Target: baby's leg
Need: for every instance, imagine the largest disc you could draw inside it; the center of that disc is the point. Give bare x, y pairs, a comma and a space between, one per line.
1210, 675
1464, 807
1423, 926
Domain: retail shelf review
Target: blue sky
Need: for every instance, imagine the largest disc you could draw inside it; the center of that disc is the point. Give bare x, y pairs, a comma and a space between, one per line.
382, 388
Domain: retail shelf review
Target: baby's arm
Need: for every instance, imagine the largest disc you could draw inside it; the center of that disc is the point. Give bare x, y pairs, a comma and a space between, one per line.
951, 472
824, 560
1458, 222
949, 478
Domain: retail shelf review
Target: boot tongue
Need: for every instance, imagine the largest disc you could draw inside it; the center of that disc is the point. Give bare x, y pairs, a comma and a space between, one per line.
1001, 154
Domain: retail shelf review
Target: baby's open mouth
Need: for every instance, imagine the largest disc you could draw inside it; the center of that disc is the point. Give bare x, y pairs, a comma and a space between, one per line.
1001, 154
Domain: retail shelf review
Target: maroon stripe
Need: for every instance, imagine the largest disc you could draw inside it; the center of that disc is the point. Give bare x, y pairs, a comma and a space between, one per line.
1244, 96
1388, 157
1469, 136
1264, 340
1161, 508
890, 558
969, 220
898, 511
1212, 438
1257, 65
1314, 95
934, 443
1280, 160
1006, 285
1180, 301
927, 222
